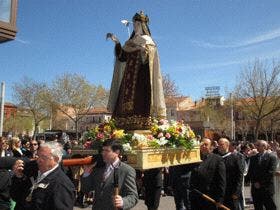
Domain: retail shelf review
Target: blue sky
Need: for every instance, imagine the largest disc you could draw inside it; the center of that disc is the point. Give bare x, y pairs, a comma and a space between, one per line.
201, 43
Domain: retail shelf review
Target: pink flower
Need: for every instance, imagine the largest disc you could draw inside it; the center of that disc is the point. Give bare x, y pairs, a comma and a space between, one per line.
160, 135
167, 135
100, 135
150, 137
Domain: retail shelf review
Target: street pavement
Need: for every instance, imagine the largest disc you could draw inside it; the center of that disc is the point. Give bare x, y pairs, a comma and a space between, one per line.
167, 203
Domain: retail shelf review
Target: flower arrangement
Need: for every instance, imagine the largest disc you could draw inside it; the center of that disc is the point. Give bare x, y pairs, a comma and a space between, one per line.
162, 134
172, 134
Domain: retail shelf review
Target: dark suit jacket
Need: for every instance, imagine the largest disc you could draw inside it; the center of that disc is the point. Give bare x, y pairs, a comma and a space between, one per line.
263, 171
234, 175
5, 179
16, 153
56, 192
210, 177
105, 190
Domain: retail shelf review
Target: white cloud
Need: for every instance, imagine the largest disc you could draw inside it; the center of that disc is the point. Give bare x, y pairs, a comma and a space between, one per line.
267, 36
242, 61
22, 41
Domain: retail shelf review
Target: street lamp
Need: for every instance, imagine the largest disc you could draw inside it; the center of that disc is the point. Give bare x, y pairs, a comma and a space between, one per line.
8, 13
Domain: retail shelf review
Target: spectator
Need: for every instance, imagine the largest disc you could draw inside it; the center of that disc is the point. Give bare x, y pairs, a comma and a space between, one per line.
5, 180
16, 147
4, 148
25, 146
261, 173
49, 188
34, 145
277, 181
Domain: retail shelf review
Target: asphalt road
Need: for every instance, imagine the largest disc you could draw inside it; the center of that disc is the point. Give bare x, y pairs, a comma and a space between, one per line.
167, 203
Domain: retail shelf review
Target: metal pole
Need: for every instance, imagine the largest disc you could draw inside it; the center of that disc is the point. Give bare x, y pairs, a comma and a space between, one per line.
2, 107
232, 122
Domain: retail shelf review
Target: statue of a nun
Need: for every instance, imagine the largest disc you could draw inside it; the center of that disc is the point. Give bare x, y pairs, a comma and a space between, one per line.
136, 94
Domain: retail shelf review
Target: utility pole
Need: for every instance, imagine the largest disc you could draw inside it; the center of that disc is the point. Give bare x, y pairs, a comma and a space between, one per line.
2, 107
232, 118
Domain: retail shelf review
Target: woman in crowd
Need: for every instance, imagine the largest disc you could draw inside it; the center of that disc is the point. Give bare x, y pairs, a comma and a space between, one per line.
16, 147
4, 148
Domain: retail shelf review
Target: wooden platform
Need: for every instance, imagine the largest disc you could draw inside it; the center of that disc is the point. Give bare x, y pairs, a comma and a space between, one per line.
156, 158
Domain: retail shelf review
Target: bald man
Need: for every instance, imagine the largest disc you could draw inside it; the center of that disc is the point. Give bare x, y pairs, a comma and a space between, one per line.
261, 170
234, 174
209, 178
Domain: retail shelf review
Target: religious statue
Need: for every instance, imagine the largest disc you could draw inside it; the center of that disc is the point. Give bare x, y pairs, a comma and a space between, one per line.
136, 94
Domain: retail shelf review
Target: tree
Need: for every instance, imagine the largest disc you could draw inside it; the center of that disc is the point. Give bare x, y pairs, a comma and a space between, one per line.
75, 96
32, 95
18, 124
218, 117
169, 87
258, 92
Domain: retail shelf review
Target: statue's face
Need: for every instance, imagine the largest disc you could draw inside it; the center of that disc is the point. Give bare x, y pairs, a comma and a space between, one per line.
137, 28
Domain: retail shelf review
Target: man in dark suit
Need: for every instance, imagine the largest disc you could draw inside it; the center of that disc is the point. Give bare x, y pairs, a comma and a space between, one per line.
261, 171
209, 178
102, 180
234, 175
46, 188
5, 177
180, 181
5, 184
153, 185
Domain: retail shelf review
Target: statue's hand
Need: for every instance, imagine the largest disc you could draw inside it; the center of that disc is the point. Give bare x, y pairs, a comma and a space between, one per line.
112, 37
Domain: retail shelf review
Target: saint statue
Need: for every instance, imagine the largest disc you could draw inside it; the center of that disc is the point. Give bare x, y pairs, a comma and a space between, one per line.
136, 94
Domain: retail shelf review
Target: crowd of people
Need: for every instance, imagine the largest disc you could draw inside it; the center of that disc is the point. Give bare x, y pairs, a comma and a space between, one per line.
32, 177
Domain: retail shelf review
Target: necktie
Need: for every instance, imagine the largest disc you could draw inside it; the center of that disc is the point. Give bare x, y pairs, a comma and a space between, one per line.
107, 172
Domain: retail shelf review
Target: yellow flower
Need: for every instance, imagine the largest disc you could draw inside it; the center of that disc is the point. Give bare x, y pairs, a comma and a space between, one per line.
154, 129
107, 129
191, 133
118, 134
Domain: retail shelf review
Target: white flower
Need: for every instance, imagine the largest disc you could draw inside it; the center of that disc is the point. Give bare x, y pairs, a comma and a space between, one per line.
163, 127
127, 147
139, 137
162, 141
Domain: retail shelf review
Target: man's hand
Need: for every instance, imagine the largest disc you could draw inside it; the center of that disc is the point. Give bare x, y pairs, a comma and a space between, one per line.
257, 185
234, 197
118, 201
218, 205
18, 168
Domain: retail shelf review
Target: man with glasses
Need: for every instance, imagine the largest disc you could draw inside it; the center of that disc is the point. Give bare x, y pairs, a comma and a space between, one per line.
261, 172
32, 152
48, 187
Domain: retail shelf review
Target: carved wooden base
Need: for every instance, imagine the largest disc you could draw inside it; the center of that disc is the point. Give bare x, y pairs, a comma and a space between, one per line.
157, 158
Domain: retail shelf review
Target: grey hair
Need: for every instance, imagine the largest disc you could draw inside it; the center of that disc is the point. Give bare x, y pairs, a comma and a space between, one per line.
55, 147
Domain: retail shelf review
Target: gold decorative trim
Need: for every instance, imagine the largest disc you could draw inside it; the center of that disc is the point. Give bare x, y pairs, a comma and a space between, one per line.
134, 122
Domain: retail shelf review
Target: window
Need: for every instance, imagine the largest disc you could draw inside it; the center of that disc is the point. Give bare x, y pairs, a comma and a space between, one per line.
172, 112
8, 10
5, 10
